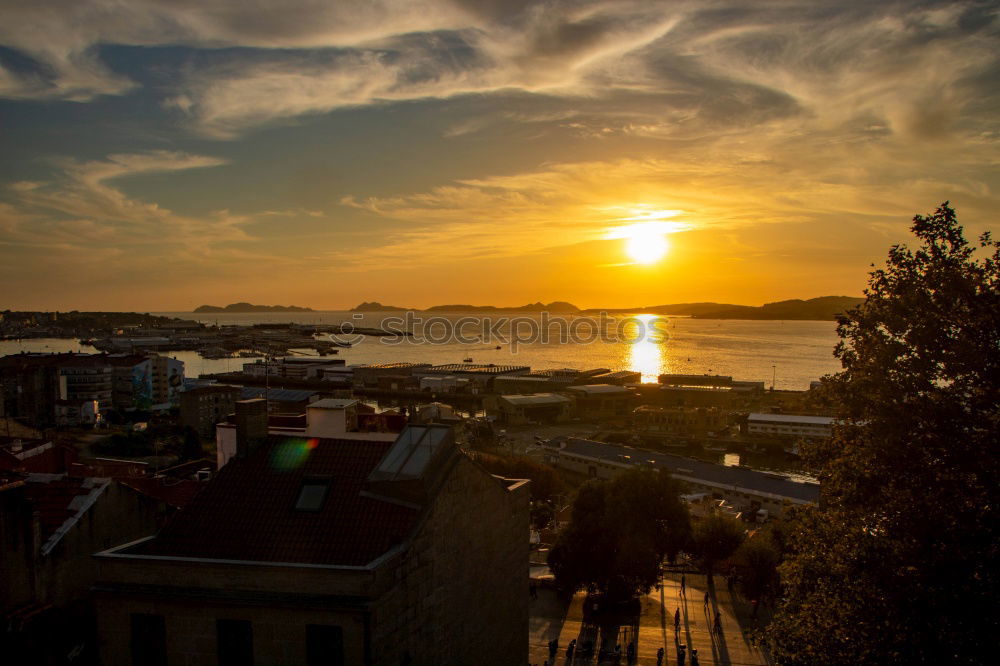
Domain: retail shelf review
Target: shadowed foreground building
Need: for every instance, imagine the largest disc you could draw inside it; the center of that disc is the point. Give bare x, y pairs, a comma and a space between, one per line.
329, 551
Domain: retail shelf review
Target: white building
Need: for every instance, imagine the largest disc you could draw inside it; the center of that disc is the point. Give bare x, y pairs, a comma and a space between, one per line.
790, 425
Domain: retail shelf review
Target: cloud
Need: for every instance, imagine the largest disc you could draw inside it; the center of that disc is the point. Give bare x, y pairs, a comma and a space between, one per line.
635, 68
82, 208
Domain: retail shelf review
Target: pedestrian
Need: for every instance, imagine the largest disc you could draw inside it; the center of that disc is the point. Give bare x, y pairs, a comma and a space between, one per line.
659, 657
683, 584
677, 620
755, 604
706, 597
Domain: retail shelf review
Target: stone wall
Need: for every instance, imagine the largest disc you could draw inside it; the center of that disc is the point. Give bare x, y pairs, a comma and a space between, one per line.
462, 591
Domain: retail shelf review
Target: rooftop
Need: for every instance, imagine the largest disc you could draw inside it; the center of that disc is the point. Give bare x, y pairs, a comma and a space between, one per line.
596, 389
333, 403
248, 512
536, 399
173, 492
792, 418
276, 394
59, 501
473, 368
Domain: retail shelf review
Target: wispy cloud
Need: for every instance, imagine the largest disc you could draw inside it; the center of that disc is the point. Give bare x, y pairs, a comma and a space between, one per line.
663, 69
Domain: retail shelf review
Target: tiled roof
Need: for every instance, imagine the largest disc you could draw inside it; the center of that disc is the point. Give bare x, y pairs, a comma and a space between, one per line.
174, 492
248, 511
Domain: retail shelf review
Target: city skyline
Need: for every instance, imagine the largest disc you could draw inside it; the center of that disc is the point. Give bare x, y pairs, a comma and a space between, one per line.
611, 154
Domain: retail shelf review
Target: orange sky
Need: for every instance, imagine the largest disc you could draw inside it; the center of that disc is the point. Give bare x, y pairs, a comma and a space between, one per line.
466, 151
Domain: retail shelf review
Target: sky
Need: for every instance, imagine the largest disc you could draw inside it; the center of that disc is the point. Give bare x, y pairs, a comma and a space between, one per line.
162, 154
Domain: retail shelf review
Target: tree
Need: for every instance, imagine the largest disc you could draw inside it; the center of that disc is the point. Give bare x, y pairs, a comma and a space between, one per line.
757, 561
899, 562
715, 538
619, 533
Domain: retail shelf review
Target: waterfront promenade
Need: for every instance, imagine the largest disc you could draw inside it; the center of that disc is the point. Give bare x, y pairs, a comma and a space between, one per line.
552, 618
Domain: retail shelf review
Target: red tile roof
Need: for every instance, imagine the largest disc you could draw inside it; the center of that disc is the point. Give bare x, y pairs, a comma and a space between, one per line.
247, 512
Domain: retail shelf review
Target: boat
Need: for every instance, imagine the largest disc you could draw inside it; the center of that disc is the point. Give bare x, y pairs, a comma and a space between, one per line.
467, 360
499, 347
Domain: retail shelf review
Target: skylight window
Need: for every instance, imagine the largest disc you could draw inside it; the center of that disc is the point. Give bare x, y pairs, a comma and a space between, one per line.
312, 495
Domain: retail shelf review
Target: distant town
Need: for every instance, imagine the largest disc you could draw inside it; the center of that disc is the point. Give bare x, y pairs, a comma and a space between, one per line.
129, 460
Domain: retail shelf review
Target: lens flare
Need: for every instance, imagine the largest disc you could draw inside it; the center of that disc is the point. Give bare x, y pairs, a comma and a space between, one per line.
292, 454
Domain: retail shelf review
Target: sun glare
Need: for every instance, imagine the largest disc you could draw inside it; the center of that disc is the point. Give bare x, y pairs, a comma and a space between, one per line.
646, 244
646, 237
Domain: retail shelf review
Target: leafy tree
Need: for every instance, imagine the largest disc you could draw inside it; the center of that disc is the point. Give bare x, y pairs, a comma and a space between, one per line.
619, 533
715, 538
541, 514
757, 560
899, 562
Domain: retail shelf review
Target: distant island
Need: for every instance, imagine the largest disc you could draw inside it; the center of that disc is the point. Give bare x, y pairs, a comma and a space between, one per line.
249, 307
375, 306
816, 309
824, 308
554, 306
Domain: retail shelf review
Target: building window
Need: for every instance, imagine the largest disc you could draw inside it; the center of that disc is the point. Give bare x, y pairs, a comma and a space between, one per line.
312, 494
234, 642
324, 645
148, 640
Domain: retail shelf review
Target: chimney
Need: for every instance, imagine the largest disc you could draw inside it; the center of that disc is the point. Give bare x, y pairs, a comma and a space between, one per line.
251, 425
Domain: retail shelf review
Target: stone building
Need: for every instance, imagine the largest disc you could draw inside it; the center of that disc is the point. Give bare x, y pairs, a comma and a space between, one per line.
204, 406
693, 421
602, 401
333, 551
533, 408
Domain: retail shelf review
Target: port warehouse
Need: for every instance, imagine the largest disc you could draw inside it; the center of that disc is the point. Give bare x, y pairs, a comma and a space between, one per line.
773, 492
790, 425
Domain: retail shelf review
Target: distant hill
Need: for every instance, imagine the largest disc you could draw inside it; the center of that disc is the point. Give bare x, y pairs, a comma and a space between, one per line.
677, 309
822, 308
375, 306
249, 307
554, 306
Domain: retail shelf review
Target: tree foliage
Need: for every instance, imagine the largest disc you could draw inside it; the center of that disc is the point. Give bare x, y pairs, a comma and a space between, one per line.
899, 562
715, 538
757, 560
619, 533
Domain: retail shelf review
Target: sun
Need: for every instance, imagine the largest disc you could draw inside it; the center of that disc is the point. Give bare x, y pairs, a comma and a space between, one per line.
646, 244
645, 231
